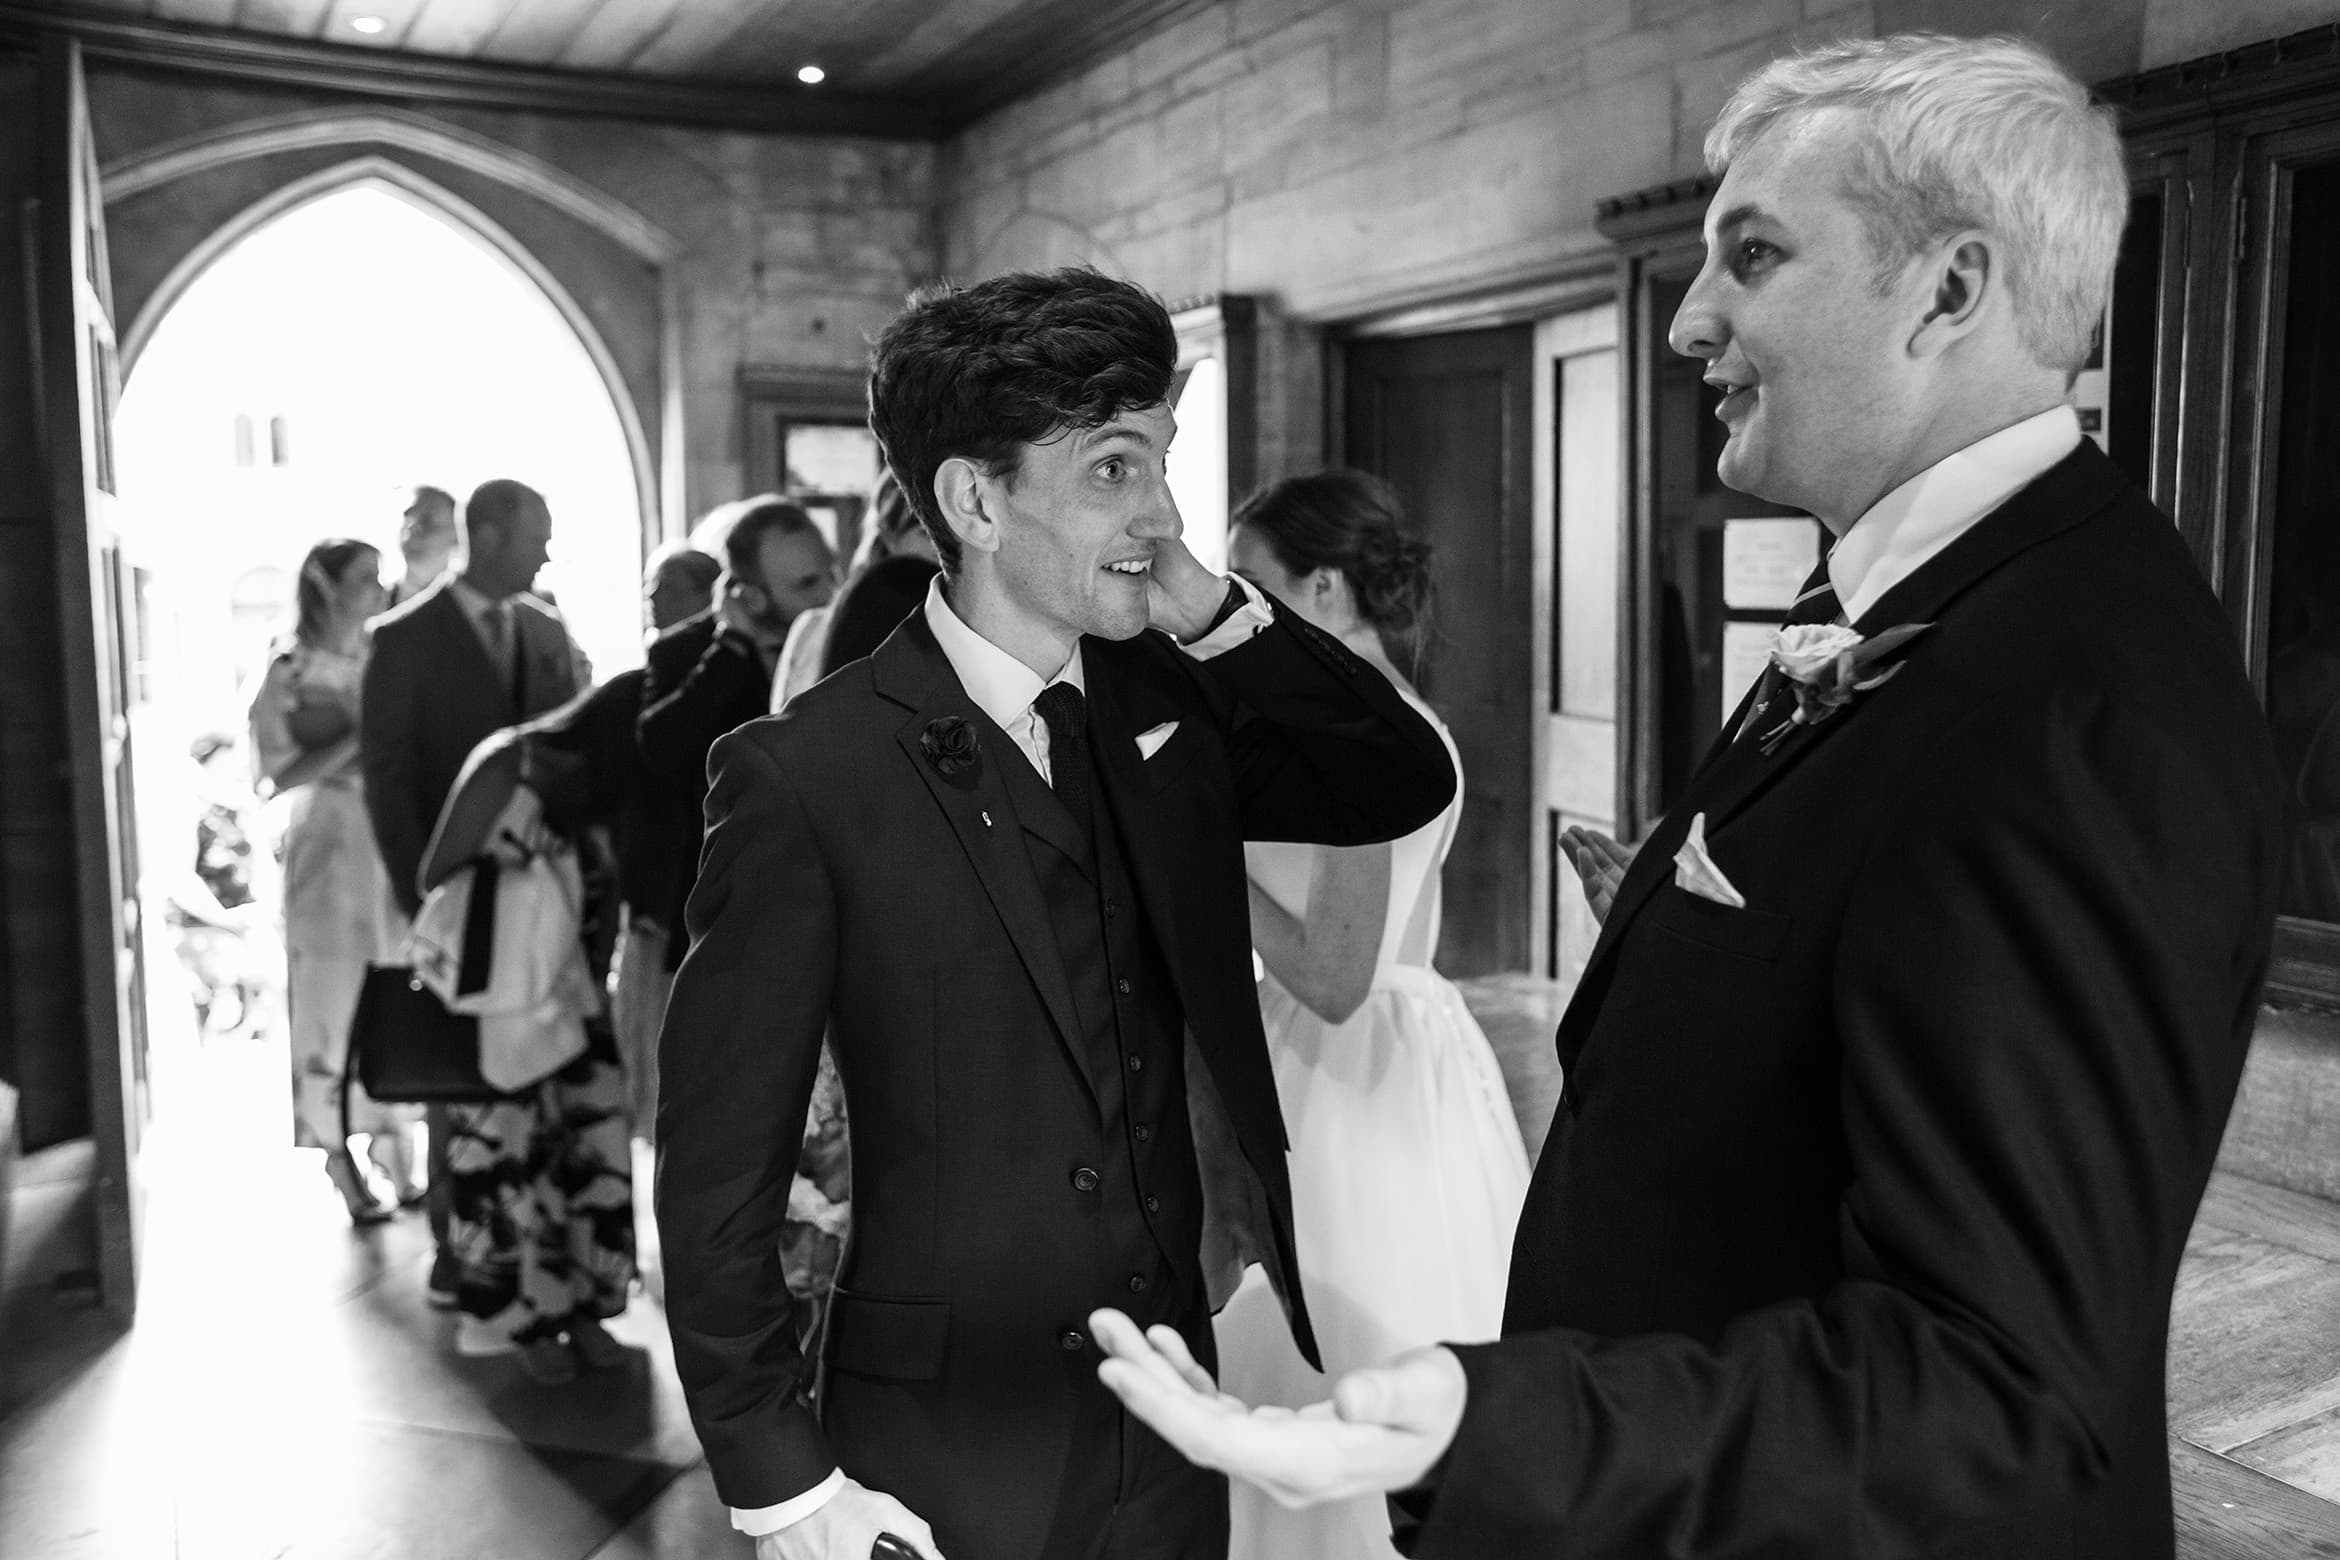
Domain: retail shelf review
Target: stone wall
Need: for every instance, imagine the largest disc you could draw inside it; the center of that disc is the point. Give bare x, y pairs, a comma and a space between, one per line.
1339, 157
789, 250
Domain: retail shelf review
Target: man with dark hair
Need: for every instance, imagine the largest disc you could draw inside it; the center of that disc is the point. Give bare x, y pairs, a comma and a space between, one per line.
713, 671
1000, 862
472, 654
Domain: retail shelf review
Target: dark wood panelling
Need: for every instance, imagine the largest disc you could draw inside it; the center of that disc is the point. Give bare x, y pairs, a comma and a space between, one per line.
1445, 418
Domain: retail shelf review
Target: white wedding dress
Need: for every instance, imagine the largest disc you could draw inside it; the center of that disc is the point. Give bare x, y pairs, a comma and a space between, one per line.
1407, 1179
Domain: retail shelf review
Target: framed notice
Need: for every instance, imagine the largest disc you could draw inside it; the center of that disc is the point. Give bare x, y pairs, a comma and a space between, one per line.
1746, 650
1765, 562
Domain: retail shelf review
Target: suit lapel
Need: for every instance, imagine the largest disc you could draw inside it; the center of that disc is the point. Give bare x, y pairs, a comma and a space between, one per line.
1156, 855
1735, 773
1043, 816
911, 669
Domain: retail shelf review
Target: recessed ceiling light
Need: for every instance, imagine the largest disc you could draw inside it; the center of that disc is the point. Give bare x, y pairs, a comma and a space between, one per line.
369, 25
811, 75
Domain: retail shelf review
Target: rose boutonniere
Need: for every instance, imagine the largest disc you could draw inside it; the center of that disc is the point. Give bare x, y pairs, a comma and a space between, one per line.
950, 745
1827, 663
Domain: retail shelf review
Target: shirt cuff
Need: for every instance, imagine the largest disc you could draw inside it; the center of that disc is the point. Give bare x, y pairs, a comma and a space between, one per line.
771, 1519
1246, 613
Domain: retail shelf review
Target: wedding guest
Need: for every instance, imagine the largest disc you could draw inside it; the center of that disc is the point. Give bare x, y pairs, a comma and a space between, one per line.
889, 576
998, 863
541, 1196
470, 655
304, 727
1407, 1165
426, 541
654, 832
713, 672
1905, 1052
678, 582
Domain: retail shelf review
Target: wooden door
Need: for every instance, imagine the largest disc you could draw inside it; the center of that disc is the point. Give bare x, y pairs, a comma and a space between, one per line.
1579, 460
1447, 419
74, 354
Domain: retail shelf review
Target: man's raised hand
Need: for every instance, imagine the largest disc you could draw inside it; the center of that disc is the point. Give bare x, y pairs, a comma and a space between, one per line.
848, 1528
1601, 862
1384, 1429
1182, 596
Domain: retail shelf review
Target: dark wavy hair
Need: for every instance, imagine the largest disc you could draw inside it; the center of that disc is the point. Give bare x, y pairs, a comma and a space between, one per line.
1352, 521
977, 372
321, 570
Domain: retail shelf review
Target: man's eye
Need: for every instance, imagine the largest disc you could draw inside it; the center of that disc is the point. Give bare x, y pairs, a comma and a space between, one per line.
1113, 470
1750, 253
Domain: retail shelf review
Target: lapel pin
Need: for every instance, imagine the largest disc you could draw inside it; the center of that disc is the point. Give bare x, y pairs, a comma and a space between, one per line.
987, 820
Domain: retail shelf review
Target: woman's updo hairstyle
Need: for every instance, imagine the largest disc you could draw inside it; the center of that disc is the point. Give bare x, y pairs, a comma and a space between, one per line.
1352, 521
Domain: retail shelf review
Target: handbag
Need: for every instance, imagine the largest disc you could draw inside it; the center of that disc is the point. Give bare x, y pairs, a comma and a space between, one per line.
405, 1048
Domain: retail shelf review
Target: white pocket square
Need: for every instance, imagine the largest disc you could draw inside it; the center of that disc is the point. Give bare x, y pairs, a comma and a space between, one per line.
1696, 873
1150, 742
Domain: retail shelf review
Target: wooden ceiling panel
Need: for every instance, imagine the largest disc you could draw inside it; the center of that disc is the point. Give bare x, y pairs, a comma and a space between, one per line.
285, 18
455, 28
533, 32
396, 16
615, 33
697, 33
204, 13
904, 66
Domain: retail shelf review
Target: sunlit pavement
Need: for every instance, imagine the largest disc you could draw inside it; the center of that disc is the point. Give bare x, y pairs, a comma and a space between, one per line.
286, 1391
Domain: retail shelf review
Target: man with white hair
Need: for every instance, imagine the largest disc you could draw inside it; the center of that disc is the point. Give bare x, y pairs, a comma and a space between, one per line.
1898, 1070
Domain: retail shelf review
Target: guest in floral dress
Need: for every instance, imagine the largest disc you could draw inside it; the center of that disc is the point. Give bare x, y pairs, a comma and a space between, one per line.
542, 1223
304, 745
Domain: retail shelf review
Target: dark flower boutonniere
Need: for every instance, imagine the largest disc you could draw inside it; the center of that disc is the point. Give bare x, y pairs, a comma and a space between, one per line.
950, 745
1826, 664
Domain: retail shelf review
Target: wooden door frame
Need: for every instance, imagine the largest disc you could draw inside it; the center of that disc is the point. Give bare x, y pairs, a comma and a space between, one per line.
105, 909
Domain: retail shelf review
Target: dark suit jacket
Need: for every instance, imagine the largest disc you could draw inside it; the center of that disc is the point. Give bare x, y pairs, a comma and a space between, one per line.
432, 692
693, 691
847, 881
1857, 1231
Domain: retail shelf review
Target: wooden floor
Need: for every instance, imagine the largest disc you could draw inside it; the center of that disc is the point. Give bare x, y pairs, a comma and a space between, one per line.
287, 1393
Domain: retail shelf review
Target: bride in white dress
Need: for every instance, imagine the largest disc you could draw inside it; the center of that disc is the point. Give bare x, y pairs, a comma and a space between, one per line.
1407, 1166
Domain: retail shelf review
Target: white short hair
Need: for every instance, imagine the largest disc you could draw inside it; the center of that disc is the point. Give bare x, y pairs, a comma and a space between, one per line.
1959, 133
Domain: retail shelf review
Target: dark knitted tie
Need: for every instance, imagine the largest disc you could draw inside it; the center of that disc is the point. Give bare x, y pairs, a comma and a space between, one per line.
1067, 715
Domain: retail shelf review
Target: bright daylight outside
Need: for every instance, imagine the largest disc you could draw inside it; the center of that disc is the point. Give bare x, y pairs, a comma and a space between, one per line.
357, 345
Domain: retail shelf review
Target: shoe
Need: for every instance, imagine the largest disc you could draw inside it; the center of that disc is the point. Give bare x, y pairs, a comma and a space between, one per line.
341, 1169
393, 1155
597, 1348
439, 1289
548, 1362
477, 1338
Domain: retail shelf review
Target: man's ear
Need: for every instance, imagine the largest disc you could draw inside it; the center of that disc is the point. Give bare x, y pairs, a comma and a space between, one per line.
1962, 279
959, 493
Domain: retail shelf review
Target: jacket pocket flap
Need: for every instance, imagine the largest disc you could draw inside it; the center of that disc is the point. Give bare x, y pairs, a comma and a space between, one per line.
899, 1340
1755, 934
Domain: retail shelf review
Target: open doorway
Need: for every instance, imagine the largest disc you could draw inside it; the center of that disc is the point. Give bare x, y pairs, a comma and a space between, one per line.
351, 340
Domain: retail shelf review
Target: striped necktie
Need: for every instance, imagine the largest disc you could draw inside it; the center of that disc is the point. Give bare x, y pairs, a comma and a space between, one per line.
1816, 603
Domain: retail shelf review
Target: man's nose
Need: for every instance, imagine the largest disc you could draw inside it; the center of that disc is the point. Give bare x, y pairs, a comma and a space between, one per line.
1159, 517
1698, 330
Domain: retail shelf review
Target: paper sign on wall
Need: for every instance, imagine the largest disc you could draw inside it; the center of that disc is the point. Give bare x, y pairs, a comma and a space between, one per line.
1746, 650
1765, 562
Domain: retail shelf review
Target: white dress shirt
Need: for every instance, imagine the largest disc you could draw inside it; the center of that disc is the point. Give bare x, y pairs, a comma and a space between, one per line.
1908, 527
1002, 688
